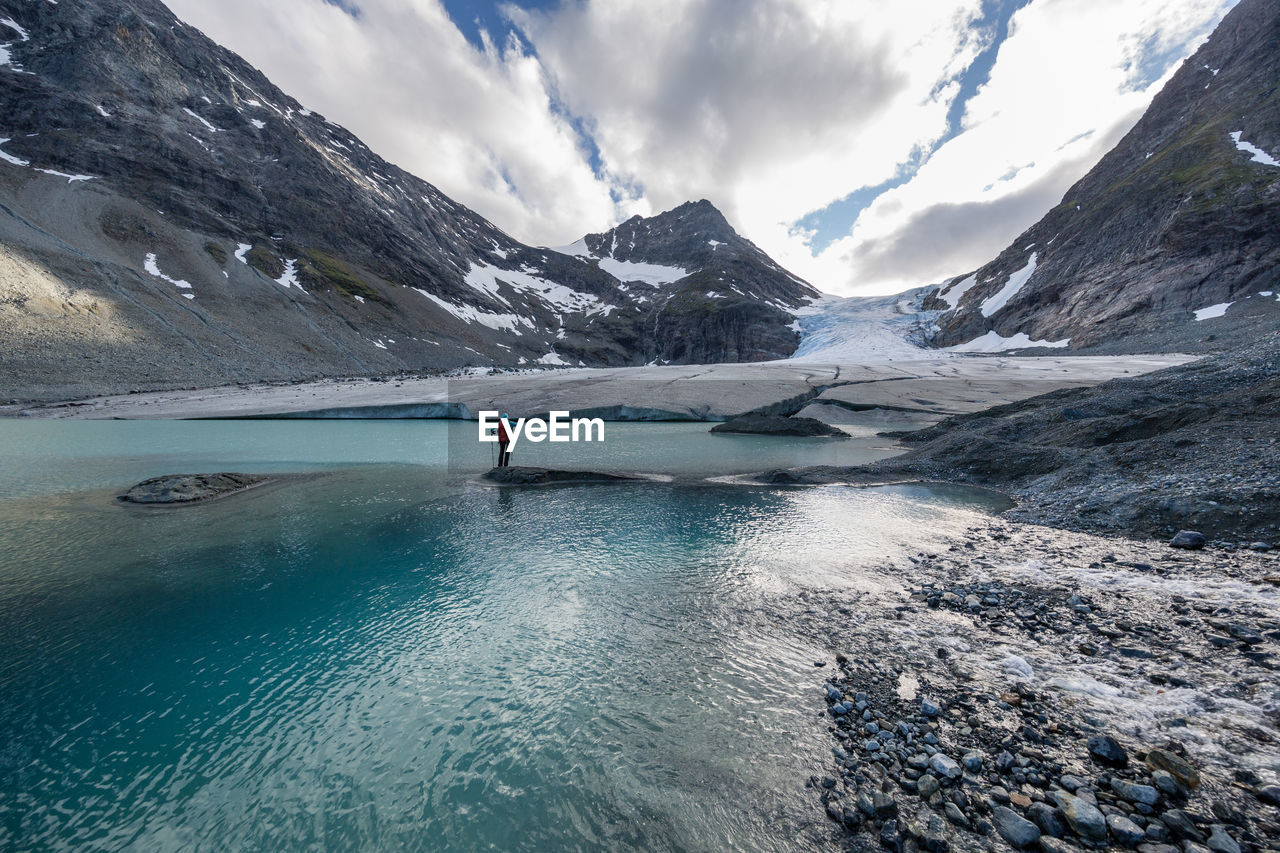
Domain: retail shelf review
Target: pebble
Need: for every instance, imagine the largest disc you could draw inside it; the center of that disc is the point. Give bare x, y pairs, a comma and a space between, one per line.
1189, 539
1166, 782
1084, 819
1108, 750
929, 709
1182, 770
945, 766
1014, 828
927, 786
1270, 795
1134, 792
1050, 844
1220, 842
1049, 819
1125, 831
954, 814
972, 761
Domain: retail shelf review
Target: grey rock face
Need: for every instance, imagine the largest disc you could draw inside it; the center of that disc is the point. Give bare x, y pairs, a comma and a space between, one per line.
1174, 219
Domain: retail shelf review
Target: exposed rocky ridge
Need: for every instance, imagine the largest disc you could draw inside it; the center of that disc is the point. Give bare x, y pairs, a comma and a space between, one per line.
1195, 446
1176, 218
222, 232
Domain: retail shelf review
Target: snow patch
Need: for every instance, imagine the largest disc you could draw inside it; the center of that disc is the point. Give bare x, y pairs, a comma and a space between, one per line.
102, 111
1010, 289
714, 243
258, 123
151, 266
201, 119
71, 179
994, 342
13, 25
470, 314
577, 249
954, 292
290, 276
1259, 156
9, 158
654, 274
553, 358
486, 278
1213, 311
241, 249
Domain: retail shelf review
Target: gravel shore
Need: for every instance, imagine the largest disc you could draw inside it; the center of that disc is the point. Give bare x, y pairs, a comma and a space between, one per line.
1055, 691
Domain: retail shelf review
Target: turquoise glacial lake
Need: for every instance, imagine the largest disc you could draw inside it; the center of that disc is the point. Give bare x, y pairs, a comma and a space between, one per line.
389, 655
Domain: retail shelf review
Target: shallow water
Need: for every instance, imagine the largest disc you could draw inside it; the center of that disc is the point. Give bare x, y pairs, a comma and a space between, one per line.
383, 657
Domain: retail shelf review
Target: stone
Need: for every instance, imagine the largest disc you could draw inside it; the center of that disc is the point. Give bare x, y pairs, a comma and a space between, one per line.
1004, 761
1071, 783
779, 425
1049, 844
890, 838
929, 709
1000, 795
954, 814
1014, 828
1019, 799
1166, 782
1049, 819
1182, 770
927, 786
1189, 539
1134, 792
1125, 831
1107, 750
945, 766
1220, 842
972, 761
1180, 826
1270, 795
883, 805
1083, 818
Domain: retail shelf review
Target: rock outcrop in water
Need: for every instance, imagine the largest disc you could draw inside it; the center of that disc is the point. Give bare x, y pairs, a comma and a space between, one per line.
1182, 215
778, 425
517, 475
174, 489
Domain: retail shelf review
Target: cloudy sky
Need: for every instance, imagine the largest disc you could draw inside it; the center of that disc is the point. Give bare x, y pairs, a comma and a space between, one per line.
867, 146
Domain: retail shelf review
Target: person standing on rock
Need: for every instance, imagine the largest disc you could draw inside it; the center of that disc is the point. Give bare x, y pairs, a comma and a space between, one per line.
504, 443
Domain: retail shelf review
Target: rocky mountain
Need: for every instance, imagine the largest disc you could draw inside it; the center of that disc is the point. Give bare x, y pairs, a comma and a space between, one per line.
1172, 242
170, 218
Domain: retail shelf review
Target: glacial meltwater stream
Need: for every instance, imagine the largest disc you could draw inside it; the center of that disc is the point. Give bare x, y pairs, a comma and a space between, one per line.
389, 656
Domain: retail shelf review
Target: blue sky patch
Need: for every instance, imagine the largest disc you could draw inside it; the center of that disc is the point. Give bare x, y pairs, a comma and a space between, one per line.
836, 219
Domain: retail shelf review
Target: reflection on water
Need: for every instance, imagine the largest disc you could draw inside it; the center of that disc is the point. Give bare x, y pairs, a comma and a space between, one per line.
375, 658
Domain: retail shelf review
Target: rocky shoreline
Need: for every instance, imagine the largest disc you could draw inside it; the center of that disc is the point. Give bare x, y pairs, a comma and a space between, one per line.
1058, 691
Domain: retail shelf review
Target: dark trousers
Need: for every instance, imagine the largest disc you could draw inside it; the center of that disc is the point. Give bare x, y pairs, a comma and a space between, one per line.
504, 455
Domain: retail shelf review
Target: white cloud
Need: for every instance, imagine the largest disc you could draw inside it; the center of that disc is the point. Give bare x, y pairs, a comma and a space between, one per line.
1067, 69
476, 123
771, 109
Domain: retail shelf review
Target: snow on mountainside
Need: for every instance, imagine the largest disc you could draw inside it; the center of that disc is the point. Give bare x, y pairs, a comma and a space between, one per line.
1166, 244
137, 154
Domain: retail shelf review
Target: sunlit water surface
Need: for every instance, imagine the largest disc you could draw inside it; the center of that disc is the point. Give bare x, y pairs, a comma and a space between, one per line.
388, 656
